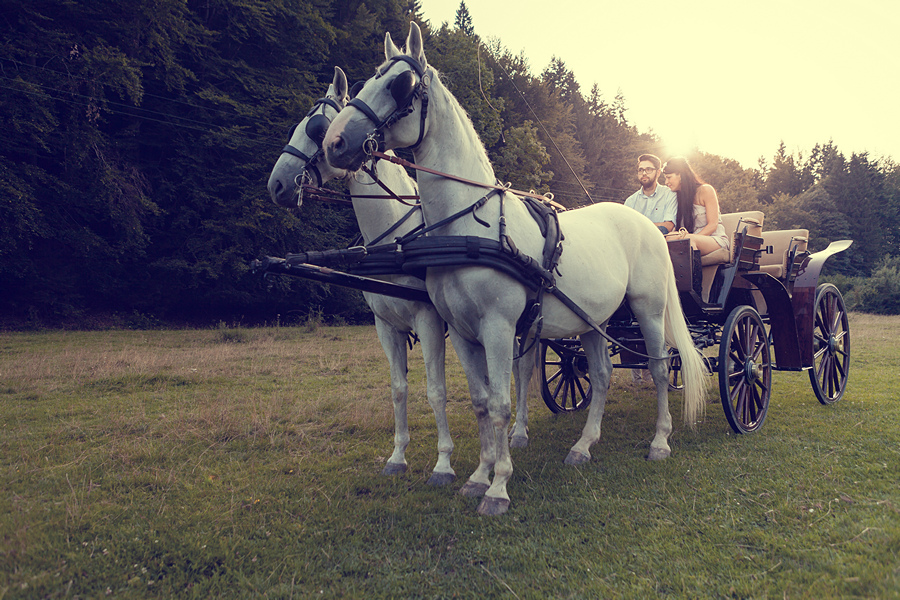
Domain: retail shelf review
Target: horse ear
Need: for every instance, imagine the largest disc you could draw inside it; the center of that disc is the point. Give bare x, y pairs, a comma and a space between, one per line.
340, 85
390, 50
414, 46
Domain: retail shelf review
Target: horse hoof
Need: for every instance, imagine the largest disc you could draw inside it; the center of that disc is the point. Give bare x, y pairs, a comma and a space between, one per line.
493, 507
441, 479
577, 458
659, 454
393, 469
519, 441
474, 490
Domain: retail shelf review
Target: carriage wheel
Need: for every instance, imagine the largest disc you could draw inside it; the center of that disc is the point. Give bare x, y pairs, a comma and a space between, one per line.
566, 385
676, 382
745, 370
831, 345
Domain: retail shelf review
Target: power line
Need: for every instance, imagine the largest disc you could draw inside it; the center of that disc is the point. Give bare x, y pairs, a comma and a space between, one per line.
83, 100
541, 123
143, 93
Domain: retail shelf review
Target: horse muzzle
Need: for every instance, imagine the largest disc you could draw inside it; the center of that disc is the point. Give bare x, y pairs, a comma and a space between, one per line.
285, 192
344, 149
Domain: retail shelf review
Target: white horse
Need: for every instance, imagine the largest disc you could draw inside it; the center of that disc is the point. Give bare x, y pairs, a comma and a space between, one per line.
394, 318
610, 253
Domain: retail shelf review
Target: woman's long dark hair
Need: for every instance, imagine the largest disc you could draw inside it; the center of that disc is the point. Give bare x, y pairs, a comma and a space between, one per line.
690, 181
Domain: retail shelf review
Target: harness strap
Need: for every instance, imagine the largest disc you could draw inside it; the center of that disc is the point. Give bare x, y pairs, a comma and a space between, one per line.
371, 173
394, 227
400, 161
366, 110
419, 232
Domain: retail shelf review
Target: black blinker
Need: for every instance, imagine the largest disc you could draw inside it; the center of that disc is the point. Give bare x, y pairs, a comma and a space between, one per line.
403, 86
316, 127
291, 132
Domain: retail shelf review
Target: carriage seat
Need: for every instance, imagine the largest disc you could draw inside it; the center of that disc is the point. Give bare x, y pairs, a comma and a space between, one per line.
733, 222
777, 249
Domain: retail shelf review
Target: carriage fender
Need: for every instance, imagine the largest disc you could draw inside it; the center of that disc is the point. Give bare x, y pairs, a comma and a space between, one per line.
803, 296
783, 324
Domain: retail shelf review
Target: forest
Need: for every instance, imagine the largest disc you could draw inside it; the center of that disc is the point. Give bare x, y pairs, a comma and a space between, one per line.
139, 136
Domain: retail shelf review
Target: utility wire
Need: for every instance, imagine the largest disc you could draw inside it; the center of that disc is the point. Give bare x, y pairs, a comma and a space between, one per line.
146, 94
541, 123
167, 119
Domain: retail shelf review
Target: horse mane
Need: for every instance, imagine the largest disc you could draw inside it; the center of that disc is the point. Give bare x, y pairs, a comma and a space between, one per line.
468, 125
437, 85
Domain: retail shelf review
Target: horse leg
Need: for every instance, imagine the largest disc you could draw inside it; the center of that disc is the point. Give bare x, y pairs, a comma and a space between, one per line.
523, 367
600, 369
471, 357
430, 329
654, 339
394, 344
498, 350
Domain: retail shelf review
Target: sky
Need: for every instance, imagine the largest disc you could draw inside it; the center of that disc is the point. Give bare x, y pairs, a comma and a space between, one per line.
733, 78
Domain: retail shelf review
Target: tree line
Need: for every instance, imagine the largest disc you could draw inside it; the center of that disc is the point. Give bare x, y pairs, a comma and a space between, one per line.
140, 135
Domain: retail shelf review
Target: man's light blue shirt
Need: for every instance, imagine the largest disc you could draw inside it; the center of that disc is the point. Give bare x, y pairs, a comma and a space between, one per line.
659, 207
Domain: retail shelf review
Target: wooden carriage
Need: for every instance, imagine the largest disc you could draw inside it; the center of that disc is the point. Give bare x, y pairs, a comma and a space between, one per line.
760, 295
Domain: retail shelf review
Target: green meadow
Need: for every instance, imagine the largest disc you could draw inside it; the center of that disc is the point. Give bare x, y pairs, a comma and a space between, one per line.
245, 463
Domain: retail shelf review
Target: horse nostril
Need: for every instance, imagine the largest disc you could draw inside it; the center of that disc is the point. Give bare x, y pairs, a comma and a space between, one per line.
276, 190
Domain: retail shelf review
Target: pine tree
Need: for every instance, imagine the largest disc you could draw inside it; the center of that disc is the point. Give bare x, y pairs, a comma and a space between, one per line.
463, 21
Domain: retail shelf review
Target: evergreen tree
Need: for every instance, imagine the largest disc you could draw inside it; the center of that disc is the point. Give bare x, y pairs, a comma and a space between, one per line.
463, 21
465, 71
784, 177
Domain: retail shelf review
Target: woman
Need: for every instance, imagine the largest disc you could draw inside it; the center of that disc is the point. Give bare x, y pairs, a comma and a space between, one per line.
698, 207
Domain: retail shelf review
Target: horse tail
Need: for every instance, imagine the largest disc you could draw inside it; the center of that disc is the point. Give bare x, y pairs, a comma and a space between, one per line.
693, 366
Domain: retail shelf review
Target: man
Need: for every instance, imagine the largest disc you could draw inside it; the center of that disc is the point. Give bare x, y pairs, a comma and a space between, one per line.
656, 202
659, 204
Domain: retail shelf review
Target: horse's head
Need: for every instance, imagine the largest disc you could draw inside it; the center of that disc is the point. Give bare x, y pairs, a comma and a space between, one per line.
301, 160
389, 109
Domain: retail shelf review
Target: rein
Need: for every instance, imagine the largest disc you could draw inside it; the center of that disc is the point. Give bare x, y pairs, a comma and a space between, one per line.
527, 265
546, 198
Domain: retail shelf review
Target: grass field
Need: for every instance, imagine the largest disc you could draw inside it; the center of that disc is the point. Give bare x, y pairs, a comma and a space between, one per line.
244, 463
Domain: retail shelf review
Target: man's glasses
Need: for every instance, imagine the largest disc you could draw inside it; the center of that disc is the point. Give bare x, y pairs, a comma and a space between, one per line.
647, 171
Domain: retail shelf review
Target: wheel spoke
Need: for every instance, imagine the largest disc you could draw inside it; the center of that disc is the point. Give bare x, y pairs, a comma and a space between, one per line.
839, 365
559, 385
563, 393
820, 324
753, 407
758, 348
751, 339
555, 376
825, 378
744, 339
580, 389
570, 394
835, 312
737, 395
836, 377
